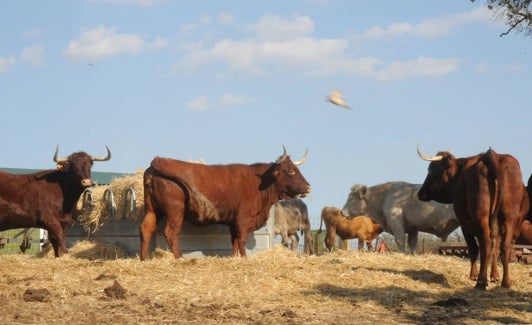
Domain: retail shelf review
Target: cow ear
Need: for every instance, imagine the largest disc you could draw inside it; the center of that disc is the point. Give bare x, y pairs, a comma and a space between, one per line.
449, 161
62, 166
363, 191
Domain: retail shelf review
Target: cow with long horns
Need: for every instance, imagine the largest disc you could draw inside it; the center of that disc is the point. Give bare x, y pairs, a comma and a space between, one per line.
237, 195
47, 198
490, 201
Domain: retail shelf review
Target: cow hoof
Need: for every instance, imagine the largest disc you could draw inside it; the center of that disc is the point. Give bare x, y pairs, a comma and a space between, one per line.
481, 285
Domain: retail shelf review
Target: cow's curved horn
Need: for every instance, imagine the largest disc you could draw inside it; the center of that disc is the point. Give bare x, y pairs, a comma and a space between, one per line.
428, 158
283, 157
103, 158
302, 160
58, 160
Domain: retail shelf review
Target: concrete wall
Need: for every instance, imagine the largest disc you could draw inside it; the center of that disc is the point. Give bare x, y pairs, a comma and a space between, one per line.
212, 240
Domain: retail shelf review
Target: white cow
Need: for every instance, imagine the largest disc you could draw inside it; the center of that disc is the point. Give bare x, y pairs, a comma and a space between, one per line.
396, 207
291, 216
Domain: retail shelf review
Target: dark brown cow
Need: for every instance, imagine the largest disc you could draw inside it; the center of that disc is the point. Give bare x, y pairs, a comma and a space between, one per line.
236, 195
361, 227
47, 198
490, 201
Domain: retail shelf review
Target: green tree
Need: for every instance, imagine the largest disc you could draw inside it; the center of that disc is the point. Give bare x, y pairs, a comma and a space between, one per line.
516, 14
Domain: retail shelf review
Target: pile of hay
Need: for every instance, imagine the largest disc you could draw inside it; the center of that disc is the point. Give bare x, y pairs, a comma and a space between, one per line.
273, 287
92, 217
89, 250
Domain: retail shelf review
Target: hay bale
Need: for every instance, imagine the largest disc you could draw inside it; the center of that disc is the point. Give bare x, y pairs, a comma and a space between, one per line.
91, 218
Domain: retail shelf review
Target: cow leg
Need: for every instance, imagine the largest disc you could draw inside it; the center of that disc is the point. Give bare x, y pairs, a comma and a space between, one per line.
147, 228
506, 251
361, 244
284, 238
294, 241
400, 241
494, 275
486, 254
309, 243
472, 247
171, 233
412, 241
57, 238
238, 238
368, 243
329, 239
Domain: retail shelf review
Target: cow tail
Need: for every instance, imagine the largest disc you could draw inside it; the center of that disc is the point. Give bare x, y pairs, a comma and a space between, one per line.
321, 224
495, 185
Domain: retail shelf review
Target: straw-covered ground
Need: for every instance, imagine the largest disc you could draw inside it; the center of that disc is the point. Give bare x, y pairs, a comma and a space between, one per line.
98, 284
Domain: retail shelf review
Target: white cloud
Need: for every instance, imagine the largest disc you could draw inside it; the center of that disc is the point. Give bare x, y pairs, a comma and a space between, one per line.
303, 54
233, 100
420, 67
200, 103
275, 28
253, 56
32, 54
6, 63
429, 28
101, 42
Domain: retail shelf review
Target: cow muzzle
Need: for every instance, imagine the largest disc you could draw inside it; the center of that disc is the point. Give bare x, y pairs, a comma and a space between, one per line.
87, 182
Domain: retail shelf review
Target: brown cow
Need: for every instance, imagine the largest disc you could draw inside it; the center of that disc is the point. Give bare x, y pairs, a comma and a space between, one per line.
490, 201
360, 227
47, 198
526, 227
237, 195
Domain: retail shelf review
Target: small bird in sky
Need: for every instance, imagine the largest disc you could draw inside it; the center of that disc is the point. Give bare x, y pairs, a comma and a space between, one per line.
337, 98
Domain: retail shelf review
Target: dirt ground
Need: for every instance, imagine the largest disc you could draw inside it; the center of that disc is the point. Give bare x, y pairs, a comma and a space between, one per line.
97, 284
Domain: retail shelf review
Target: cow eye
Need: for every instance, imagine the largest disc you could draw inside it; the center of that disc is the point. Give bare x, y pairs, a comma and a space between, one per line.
291, 172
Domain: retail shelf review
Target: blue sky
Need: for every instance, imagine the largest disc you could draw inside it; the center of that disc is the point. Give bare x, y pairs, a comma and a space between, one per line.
234, 81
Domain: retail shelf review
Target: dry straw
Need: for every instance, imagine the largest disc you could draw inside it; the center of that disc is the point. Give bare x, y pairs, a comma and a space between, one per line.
272, 287
93, 216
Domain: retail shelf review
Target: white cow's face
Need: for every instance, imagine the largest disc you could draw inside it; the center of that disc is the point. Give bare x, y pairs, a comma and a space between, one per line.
356, 203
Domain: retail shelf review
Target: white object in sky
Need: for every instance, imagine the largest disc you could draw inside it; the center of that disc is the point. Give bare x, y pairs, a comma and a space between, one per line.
337, 98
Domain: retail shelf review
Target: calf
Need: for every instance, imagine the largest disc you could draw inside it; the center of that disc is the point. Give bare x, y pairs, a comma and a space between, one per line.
360, 227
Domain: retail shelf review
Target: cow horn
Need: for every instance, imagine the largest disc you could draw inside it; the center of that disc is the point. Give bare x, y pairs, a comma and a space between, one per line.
302, 160
428, 158
103, 158
59, 160
283, 157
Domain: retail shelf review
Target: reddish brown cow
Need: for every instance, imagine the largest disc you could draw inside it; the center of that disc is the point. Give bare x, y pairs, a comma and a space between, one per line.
236, 195
46, 199
526, 233
526, 227
490, 201
360, 227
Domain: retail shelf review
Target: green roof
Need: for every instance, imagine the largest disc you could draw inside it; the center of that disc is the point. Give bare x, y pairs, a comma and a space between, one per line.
98, 178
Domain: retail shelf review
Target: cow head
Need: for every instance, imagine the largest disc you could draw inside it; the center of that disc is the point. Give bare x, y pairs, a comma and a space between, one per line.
79, 165
288, 179
356, 203
438, 183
